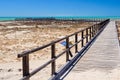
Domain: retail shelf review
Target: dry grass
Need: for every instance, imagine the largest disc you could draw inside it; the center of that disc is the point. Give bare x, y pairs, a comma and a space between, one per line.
16, 40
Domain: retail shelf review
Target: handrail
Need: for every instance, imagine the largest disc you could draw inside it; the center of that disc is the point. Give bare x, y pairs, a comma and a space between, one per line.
42, 47
90, 34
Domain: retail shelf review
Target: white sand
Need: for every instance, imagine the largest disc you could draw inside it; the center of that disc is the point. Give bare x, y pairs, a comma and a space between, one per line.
14, 41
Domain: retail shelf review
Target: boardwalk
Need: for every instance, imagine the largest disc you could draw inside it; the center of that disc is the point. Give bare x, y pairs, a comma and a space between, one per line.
102, 60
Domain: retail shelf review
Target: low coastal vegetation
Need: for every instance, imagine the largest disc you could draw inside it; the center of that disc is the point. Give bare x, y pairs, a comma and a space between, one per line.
17, 36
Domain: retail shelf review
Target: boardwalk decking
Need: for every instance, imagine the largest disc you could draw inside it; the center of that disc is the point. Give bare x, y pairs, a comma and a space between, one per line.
102, 60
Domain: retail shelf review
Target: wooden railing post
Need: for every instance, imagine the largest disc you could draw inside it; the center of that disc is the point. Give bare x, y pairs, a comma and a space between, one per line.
25, 64
90, 33
82, 36
76, 40
67, 46
87, 35
53, 65
93, 30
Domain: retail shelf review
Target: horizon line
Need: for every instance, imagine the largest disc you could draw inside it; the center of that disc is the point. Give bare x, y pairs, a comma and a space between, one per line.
56, 16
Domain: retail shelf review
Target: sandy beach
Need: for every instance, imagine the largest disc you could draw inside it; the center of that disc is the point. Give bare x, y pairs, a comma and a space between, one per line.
16, 38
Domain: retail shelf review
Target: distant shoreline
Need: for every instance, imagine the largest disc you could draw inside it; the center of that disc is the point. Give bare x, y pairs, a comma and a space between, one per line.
59, 18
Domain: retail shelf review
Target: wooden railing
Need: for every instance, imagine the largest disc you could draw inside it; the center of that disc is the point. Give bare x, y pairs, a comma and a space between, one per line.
90, 33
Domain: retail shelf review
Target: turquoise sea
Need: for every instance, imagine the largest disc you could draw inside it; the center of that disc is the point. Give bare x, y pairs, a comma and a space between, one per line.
64, 17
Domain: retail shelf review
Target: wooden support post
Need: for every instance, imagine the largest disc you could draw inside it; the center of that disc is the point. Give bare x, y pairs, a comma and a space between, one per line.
82, 37
87, 35
76, 40
25, 64
53, 65
90, 33
67, 46
93, 30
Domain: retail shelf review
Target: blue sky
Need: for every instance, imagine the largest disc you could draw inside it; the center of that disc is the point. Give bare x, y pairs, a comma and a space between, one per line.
59, 7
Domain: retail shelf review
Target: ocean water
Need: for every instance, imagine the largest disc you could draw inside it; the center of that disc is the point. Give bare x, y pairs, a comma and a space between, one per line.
7, 18
64, 17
